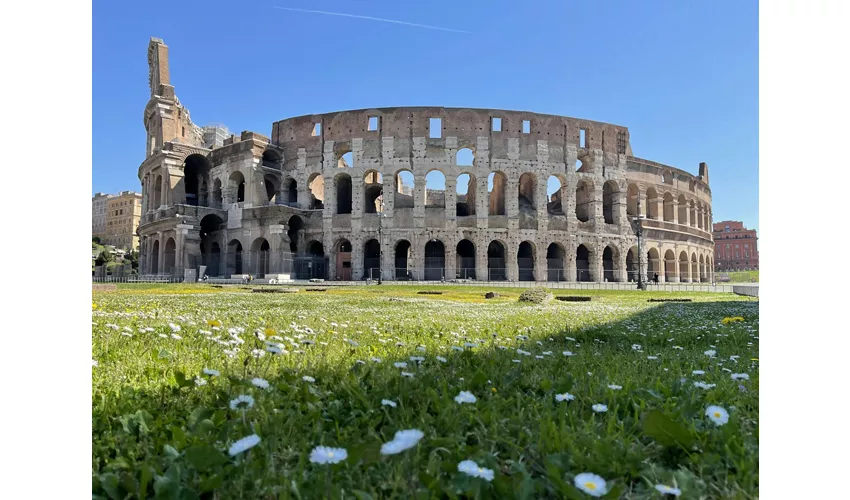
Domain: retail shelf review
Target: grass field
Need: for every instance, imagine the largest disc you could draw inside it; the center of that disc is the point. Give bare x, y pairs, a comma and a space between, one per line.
742, 276
182, 373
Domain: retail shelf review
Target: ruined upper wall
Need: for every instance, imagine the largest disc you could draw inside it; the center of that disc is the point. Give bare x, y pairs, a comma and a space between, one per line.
465, 124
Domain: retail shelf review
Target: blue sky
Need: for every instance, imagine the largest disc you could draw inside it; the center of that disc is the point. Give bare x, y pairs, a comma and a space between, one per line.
682, 76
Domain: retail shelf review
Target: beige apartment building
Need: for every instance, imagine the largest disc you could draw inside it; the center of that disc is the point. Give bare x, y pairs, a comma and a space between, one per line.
123, 212
98, 214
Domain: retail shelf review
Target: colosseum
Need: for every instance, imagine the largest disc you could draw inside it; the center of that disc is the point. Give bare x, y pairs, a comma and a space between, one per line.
414, 193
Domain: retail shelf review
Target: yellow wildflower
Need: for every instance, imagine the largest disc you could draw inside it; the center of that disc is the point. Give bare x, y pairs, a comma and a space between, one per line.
214, 322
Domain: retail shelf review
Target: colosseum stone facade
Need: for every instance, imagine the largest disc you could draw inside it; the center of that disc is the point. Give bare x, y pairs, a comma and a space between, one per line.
391, 192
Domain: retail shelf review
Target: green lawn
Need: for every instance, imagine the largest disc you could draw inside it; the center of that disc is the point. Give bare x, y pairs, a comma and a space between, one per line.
161, 426
743, 276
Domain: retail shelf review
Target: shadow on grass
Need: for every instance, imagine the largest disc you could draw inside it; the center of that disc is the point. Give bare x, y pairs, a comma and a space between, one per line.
172, 440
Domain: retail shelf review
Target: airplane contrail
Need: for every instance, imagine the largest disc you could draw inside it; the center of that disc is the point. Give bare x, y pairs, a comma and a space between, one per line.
342, 14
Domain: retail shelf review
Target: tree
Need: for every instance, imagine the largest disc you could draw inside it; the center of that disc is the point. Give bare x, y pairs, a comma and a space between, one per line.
104, 257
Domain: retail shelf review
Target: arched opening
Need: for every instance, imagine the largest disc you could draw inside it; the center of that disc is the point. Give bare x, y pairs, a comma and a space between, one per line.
684, 268
670, 266
234, 257
295, 233
271, 159
632, 203
346, 160
527, 184
314, 264
196, 171
669, 208
272, 187
683, 210
465, 260
211, 225
169, 255
610, 191
373, 192
695, 274
316, 249
631, 265
555, 258
290, 191
653, 265
343, 194
404, 189
496, 184
435, 260
693, 218
237, 186
154, 258
555, 196
372, 260
316, 188
465, 158
582, 264
343, 260
217, 200
651, 204
157, 193
435, 189
581, 165
496, 268
702, 274
403, 255
609, 254
465, 190
525, 261
260, 251
584, 195
699, 215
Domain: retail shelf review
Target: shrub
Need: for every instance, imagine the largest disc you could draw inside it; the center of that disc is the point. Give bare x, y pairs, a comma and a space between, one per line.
491, 295
537, 295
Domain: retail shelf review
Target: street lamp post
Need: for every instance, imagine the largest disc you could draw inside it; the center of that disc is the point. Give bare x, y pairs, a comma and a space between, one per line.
380, 240
639, 232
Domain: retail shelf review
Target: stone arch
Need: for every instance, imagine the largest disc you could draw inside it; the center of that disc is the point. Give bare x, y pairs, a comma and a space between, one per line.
435, 260
157, 192
169, 256
497, 269
525, 257
610, 193
667, 177
234, 257
272, 185
316, 189
435, 189
211, 230
497, 183
465, 195
236, 184
372, 259
556, 257
526, 192
632, 202
290, 192
695, 274
669, 207
582, 165
271, 159
342, 185
692, 211
260, 251
217, 196
295, 232
196, 173
403, 256
632, 264
584, 198
316, 248
583, 263
373, 192
652, 203
610, 257
556, 197
345, 159
465, 259
465, 157
703, 275
653, 265
683, 209
684, 267
670, 266
405, 189
154, 258
343, 259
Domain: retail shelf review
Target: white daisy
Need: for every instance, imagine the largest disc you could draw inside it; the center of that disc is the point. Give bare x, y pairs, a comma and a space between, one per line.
407, 374
636, 347
402, 440
740, 376
652, 357
465, 397
257, 353
599, 408
710, 353
400, 364
538, 357
441, 359
260, 382
516, 361
307, 378
360, 362
564, 397
418, 359
274, 349
387, 402
176, 337
174, 328
376, 360
615, 387
717, 414
457, 348
353, 344
703, 385
591, 484
473, 469
568, 353
668, 490
421, 348
212, 373
244, 444
93, 363
242, 402
698, 372
325, 455
199, 381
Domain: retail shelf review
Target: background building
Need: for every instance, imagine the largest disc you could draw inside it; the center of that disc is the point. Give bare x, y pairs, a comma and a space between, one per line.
735, 246
98, 214
123, 212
